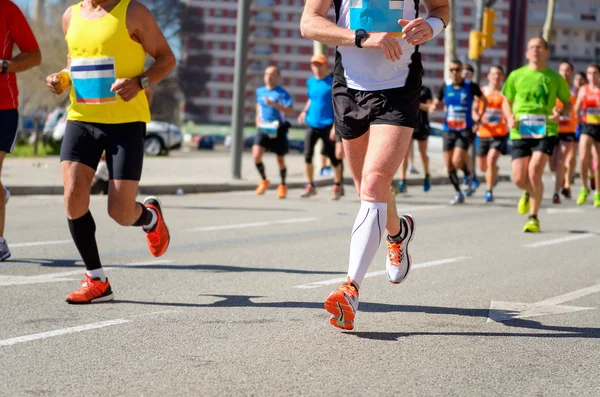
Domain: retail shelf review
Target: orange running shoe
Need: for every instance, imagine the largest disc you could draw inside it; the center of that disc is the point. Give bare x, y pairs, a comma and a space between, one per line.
342, 304
282, 192
262, 186
158, 239
92, 291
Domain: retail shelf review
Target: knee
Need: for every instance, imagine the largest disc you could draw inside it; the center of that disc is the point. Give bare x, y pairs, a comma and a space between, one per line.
520, 180
375, 186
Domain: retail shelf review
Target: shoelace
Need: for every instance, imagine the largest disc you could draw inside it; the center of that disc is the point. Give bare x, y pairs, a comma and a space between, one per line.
396, 253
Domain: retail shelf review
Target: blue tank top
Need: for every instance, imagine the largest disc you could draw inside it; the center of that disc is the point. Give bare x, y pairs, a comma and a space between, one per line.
459, 105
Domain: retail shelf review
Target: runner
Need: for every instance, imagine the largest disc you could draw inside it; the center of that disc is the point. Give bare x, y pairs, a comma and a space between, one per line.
460, 97
109, 111
588, 102
421, 135
318, 115
579, 81
14, 29
273, 103
376, 102
492, 131
564, 152
339, 154
533, 119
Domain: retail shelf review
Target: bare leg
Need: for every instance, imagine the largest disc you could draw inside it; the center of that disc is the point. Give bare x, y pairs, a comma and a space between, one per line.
536, 170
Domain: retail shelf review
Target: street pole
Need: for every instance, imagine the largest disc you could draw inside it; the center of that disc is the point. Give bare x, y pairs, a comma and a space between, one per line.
239, 90
319, 48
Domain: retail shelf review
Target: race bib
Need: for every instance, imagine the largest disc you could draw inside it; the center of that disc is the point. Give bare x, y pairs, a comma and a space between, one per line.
493, 116
269, 127
593, 115
377, 15
457, 118
532, 126
92, 79
565, 120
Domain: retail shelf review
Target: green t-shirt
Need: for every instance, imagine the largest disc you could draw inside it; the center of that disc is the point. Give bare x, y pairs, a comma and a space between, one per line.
534, 92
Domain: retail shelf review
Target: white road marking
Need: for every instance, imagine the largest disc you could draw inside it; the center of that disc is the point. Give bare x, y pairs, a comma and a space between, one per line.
381, 273
38, 279
79, 328
560, 240
503, 311
146, 263
39, 243
249, 225
556, 211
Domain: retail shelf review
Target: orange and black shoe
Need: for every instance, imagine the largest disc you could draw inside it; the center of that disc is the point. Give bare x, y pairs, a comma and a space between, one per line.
158, 238
93, 290
342, 304
262, 186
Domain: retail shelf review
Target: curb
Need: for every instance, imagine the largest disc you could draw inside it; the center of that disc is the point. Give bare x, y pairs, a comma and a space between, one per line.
172, 189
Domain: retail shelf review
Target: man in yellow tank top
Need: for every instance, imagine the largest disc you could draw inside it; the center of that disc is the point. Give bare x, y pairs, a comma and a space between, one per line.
108, 41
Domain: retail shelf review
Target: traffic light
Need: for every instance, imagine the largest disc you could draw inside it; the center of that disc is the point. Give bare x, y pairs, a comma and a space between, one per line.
487, 38
475, 45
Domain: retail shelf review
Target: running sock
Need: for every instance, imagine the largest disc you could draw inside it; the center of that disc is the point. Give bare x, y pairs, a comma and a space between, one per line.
533, 216
466, 171
83, 231
148, 219
261, 170
312, 184
366, 237
454, 180
98, 273
398, 238
283, 174
337, 183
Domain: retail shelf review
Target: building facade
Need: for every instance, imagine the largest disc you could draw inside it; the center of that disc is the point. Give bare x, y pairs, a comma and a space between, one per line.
275, 40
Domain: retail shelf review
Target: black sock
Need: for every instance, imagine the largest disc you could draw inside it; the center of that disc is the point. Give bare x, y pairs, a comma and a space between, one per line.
312, 184
261, 170
527, 194
146, 217
283, 173
533, 216
83, 231
466, 171
454, 180
337, 183
427, 176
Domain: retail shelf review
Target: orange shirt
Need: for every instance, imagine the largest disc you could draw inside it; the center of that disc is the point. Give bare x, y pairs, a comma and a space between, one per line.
591, 105
568, 122
493, 124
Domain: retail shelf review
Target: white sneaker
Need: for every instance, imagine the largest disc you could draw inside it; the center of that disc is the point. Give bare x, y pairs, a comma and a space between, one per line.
398, 261
4, 251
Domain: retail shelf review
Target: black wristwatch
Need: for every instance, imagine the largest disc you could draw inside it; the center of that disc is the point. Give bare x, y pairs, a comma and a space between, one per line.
359, 35
4, 66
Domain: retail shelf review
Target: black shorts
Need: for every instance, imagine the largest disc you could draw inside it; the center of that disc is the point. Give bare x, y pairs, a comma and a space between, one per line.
421, 133
277, 145
461, 139
487, 144
355, 111
311, 137
525, 147
567, 137
592, 130
9, 123
124, 145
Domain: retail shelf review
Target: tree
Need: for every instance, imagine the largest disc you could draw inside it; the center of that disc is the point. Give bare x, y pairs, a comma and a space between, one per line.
450, 40
549, 20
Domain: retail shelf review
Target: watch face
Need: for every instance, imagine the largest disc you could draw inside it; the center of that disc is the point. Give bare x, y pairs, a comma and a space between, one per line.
361, 33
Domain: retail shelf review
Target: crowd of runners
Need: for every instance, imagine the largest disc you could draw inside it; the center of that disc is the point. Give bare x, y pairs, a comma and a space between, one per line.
366, 111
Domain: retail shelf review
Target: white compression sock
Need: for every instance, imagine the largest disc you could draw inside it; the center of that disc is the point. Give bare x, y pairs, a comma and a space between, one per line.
366, 237
98, 273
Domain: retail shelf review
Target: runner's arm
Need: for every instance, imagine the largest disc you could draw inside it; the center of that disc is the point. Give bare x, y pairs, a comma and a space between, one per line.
258, 115
579, 104
302, 116
418, 31
425, 106
30, 55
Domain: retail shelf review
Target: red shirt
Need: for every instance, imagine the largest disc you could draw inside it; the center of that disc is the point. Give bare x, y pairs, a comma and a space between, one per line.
14, 29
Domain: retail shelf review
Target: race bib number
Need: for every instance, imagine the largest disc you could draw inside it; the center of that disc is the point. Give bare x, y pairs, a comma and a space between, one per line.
493, 116
92, 79
457, 118
532, 126
377, 15
593, 115
565, 120
269, 127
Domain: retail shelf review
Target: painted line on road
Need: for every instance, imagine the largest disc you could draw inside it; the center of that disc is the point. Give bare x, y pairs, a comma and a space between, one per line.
559, 240
6, 281
570, 296
73, 330
39, 243
250, 224
382, 272
555, 211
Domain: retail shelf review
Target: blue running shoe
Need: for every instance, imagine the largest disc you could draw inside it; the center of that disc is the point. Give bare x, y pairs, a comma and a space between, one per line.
401, 187
426, 184
458, 199
475, 184
489, 197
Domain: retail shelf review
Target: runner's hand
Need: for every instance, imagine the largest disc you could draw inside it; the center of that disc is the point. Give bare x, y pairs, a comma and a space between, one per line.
555, 118
511, 122
302, 118
58, 82
270, 103
127, 89
389, 45
416, 32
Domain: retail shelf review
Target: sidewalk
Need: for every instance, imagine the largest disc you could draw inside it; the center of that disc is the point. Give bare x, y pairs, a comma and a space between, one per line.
203, 172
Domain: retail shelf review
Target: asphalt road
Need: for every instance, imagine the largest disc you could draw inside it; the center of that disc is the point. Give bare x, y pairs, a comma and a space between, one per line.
235, 306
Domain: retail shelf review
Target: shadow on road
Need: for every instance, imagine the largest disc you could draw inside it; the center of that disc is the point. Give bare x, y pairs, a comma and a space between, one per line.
245, 301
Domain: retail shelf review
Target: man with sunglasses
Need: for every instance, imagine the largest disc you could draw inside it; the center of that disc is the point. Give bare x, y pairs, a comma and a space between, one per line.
459, 97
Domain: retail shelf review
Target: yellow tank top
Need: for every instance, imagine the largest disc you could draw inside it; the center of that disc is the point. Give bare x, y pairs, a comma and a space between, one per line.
101, 52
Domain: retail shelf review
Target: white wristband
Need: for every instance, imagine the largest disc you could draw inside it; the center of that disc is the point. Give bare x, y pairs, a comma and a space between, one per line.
436, 25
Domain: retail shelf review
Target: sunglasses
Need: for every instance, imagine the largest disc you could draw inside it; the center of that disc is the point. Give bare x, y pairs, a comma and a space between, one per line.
455, 70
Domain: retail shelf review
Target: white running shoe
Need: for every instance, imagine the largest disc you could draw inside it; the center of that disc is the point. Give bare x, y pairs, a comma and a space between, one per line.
398, 261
